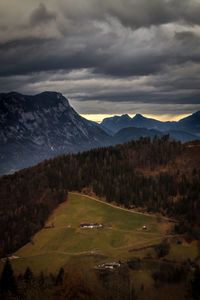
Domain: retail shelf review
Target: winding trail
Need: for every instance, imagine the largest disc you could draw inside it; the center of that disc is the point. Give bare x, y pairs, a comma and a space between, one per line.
126, 209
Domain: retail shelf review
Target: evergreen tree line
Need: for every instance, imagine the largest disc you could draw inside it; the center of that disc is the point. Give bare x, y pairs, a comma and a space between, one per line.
88, 284
72, 283
156, 175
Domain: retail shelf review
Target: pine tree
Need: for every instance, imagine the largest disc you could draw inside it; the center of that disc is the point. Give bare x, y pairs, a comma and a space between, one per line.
8, 282
59, 278
28, 275
195, 284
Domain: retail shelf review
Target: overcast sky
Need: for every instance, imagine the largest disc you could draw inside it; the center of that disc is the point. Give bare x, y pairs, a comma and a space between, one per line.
105, 56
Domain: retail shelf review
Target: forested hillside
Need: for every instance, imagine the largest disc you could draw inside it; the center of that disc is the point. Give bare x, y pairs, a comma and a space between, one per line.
159, 175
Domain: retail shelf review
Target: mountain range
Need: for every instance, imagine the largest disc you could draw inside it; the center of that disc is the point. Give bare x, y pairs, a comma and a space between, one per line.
34, 128
190, 124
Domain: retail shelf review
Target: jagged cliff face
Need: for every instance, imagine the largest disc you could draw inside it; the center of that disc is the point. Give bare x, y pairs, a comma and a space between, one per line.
33, 128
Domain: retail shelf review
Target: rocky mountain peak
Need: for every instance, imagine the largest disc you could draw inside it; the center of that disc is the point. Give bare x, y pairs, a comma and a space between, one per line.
37, 127
125, 117
138, 116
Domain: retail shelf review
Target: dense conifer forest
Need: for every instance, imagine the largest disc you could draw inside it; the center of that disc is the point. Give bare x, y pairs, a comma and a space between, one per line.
157, 175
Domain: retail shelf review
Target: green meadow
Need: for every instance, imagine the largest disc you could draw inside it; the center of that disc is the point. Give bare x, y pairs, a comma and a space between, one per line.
66, 242
122, 238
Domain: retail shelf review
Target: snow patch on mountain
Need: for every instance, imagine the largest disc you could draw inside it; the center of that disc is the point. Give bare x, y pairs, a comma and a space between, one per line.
34, 128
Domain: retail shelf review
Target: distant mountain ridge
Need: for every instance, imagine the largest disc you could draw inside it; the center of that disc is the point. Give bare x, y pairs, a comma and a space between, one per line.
39, 127
134, 133
189, 125
34, 128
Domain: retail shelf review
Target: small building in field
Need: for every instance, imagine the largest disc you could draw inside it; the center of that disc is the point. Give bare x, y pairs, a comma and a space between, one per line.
144, 227
112, 265
91, 225
109, 265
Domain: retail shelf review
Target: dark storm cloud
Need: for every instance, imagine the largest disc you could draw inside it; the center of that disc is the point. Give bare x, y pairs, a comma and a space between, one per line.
141, 97
107, 47
133, 51
136, 13
41, 15
36, 54
21, 44
155, 12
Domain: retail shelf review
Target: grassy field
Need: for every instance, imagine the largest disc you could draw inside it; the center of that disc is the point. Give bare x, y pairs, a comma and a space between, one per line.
67, 242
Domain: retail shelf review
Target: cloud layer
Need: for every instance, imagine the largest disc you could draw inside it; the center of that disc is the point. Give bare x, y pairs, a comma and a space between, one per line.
130, 53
